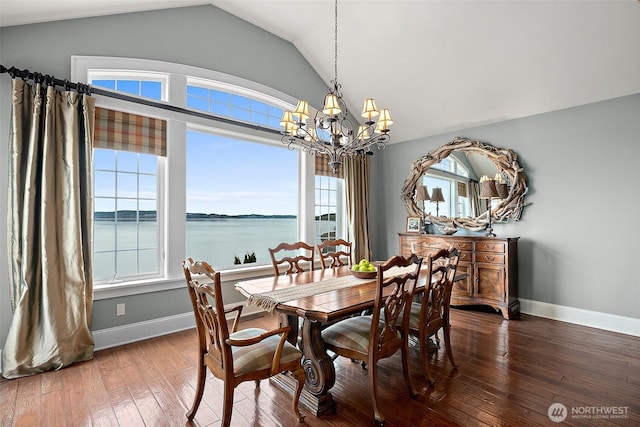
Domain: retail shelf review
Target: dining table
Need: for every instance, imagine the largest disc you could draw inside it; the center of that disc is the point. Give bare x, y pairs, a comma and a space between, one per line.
317, 298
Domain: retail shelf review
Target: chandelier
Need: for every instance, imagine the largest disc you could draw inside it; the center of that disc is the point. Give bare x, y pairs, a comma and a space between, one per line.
330, 132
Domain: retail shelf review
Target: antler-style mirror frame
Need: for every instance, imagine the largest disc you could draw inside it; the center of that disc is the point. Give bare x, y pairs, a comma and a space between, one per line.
508, 209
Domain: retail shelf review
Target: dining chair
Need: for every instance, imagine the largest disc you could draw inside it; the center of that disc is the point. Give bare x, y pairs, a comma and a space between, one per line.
334, 253
430, 312
377, 336
303, 254
234, 356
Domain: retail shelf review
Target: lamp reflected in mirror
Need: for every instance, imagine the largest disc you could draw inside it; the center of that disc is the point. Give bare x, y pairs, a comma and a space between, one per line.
422, 197
437, 197
488, 190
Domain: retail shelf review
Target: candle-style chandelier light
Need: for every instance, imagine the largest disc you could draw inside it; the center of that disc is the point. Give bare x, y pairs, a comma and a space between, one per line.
330, 132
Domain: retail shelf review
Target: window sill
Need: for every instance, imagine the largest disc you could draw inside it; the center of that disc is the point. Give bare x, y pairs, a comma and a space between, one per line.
120, 289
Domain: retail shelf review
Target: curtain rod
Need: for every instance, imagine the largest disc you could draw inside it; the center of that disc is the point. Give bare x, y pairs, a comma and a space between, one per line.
83, 88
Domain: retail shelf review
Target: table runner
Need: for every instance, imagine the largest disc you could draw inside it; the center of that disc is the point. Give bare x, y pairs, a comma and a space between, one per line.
268, 300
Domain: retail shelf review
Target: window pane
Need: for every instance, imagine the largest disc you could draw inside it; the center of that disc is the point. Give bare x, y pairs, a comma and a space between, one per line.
104, 265
104, 159
127, 185
127, 161
197, 103
151, 90
127, 235
236, 178
148, 163
108, 84
147, 261
148, 186
129, 86
104, 236
104, 184
197, 91
148, 235
127, 262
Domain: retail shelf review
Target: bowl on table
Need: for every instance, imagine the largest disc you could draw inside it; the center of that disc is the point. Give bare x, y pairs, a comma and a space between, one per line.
364, 274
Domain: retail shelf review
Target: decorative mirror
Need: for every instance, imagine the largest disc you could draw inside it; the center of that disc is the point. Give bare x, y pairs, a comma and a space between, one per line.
508, 171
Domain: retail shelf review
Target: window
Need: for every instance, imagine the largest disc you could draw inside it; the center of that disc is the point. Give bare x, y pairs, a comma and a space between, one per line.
451, 176
242, 198
224, 192
125, 215
329, 212
127, 239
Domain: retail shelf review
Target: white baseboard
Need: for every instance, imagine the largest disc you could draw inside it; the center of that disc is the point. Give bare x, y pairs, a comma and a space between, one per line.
593, 319
125, 334
119, 335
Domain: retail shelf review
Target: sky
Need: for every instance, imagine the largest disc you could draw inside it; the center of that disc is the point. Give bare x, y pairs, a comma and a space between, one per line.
231, 176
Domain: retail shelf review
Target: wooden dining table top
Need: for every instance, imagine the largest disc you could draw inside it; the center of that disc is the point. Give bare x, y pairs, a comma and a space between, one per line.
327, 305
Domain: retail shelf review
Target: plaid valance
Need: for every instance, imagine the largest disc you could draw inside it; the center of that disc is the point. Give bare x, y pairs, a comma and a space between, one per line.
323, 168
116, 130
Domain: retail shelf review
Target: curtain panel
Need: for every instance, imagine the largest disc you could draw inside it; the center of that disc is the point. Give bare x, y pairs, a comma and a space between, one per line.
356, 170
49, 230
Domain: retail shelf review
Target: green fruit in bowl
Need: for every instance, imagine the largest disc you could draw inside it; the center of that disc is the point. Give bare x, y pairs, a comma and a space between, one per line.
356, 267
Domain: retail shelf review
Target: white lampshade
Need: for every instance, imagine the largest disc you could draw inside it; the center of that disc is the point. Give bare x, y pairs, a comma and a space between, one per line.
302, 111
331, 105
384, 121
370, 110
363, 132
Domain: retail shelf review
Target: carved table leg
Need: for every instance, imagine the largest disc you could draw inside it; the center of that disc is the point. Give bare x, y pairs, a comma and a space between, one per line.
319, 370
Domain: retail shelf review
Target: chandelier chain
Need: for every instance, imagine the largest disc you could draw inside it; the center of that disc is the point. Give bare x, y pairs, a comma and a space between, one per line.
335, 51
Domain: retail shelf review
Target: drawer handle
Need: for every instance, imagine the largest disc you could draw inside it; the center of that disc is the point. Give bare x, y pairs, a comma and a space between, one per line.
490, 258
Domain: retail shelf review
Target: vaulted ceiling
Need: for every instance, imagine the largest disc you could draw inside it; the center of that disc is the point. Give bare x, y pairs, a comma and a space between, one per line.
437, 65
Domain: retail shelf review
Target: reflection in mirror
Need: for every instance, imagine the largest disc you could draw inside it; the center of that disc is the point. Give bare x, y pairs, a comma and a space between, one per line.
456, 169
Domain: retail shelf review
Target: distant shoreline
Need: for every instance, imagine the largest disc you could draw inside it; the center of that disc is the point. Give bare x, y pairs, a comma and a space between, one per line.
129, 215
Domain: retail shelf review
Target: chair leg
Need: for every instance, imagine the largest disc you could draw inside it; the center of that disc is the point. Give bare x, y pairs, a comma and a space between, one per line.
424, 353
227, 407
405, 368
202, 374
373, 381
300, 376
447, 345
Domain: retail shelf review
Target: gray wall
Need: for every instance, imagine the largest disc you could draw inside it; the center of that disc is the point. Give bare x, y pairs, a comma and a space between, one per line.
579, 238
202, 36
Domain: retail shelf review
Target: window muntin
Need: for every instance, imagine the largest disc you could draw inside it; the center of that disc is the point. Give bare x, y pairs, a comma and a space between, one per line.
143, 84
227, 104
329, 217
125, 231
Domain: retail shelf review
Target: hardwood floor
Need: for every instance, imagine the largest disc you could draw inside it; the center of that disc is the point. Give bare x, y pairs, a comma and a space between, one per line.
509, 373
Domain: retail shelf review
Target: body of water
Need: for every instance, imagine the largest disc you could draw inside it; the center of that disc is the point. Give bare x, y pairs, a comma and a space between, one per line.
219, 241
215, 241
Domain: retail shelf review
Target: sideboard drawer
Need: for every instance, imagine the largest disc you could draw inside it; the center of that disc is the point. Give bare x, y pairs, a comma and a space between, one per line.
492, 258
484, 246
465, 256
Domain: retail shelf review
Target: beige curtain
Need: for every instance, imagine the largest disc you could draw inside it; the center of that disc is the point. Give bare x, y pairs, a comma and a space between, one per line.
49, 230
474, 198
356, 176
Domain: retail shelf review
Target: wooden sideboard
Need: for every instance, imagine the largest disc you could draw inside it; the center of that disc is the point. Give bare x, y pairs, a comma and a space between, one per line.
491, 264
